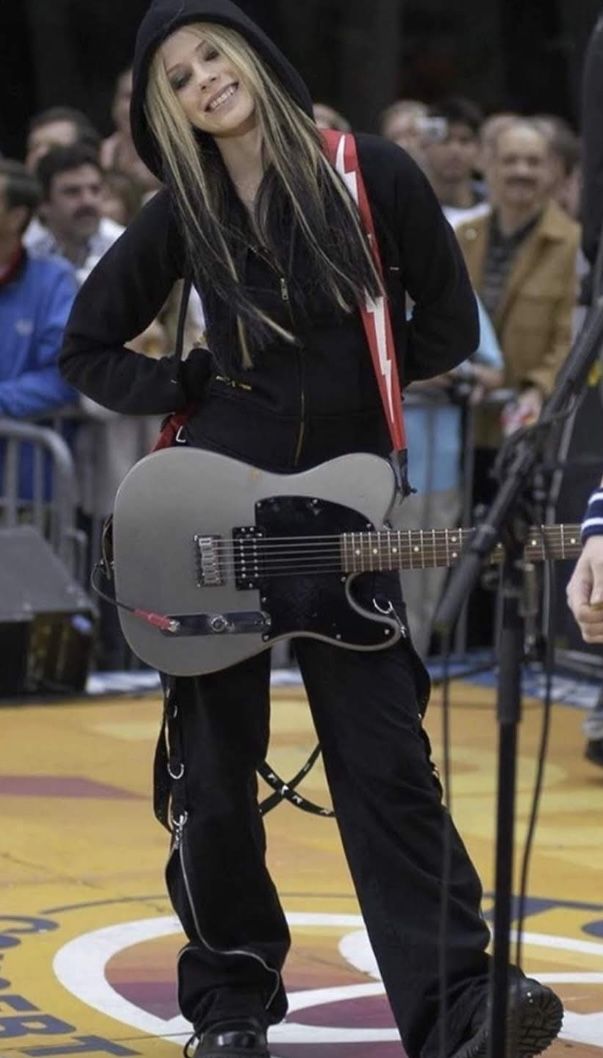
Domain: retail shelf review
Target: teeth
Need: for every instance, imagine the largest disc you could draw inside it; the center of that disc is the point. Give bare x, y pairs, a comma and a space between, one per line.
226, 94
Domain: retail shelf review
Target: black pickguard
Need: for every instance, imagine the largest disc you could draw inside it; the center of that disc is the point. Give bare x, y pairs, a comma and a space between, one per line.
317, 603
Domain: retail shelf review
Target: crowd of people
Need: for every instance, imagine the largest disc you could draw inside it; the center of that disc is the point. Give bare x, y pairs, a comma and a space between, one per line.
508, 184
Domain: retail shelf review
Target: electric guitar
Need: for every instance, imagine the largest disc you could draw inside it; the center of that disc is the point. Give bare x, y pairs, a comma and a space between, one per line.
215, 560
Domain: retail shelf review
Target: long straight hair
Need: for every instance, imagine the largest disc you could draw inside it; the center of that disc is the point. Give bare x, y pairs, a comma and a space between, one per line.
300, 189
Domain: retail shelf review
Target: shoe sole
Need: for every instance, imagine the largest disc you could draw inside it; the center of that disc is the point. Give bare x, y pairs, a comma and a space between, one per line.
229, 1052
539, 1023
222, 1052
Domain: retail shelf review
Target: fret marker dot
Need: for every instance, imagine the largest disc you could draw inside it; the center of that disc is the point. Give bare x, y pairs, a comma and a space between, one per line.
375, 552
454, 554
453, 539
573, 540
534, 543
356, 552
394, 550
415, 548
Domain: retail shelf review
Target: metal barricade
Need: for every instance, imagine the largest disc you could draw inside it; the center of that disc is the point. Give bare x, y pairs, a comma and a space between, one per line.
458, 512
51, 501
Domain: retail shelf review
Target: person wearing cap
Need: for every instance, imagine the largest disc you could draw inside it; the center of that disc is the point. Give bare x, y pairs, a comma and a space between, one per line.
255, 213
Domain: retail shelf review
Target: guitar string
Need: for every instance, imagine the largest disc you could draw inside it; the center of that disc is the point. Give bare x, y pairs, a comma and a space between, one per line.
375, 557
327, 559
410, 538
292, 571
384, 552
380, 549
326, 566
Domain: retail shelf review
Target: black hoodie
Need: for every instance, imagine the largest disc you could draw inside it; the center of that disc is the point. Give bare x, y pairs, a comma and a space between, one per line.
298, 405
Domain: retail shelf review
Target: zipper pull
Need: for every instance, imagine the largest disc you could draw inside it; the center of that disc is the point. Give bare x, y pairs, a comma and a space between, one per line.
284, 289
178, 827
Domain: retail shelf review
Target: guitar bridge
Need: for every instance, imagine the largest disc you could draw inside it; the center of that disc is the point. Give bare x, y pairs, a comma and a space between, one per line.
209, 564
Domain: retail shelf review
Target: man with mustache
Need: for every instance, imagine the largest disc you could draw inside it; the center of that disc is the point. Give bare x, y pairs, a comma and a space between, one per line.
72, 226
521, 258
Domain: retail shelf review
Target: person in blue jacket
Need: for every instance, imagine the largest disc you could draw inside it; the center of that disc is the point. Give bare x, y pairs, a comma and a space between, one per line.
35, 301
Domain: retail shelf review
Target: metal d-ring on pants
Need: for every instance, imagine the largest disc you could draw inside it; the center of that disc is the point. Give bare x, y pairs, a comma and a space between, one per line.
367, 712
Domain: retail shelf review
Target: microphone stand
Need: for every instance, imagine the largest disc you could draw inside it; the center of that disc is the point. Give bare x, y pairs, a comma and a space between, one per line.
506, 521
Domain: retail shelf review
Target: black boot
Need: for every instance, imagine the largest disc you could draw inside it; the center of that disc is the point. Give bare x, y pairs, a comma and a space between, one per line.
535, 1019
243, 1038
594, 751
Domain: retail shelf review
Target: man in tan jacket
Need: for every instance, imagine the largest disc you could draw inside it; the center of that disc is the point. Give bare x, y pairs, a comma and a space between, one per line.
521, 258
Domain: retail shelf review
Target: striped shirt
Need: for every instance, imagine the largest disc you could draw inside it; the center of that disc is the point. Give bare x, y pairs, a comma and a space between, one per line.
500, 256
593, 518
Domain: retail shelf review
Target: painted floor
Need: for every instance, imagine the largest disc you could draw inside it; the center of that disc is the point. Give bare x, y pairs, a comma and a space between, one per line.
87, 938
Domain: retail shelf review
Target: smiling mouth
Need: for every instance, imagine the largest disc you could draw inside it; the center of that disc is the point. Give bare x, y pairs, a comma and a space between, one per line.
224, 97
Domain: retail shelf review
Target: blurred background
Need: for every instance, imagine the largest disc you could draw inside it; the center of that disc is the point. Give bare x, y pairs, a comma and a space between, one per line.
485, 95
523, 55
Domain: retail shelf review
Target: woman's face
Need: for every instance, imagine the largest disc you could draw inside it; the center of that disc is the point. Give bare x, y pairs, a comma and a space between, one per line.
208, 86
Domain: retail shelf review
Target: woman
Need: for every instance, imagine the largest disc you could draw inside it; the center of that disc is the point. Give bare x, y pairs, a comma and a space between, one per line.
256, 215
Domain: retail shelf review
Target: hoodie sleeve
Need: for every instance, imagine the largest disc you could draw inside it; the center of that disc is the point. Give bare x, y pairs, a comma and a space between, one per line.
443, 327
120, 298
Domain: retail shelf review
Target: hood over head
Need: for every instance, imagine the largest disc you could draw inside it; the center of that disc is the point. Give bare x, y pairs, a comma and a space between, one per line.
166, 16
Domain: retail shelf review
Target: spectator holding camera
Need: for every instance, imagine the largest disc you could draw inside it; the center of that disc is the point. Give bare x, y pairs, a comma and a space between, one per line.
450, 145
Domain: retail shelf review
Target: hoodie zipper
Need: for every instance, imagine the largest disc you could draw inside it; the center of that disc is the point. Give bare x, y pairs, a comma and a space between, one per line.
233, 383
285, 298
178, 847
302, 390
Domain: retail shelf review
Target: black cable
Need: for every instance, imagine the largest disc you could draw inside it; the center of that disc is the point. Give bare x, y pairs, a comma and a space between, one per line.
549, 661
446, 851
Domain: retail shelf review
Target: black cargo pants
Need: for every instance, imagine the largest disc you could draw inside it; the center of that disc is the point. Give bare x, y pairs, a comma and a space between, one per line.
367, 710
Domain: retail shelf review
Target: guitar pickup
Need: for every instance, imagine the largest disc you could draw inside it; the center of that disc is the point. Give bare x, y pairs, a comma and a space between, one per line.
208, 561
247, 556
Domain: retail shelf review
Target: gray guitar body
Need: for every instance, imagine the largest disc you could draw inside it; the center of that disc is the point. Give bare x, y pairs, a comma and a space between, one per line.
229, 553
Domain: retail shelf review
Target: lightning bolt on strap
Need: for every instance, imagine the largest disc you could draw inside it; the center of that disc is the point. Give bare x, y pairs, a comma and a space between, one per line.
340, 149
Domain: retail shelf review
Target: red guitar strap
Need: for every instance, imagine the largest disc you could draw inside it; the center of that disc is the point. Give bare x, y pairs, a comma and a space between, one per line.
341, 151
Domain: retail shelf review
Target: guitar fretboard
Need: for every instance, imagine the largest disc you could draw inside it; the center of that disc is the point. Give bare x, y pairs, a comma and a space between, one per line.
427, 548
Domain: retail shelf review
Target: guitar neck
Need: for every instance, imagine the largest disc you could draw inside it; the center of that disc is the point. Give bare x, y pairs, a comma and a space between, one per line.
390, 549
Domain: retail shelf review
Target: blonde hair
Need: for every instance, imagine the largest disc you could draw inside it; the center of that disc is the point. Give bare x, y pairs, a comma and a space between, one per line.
292, 151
